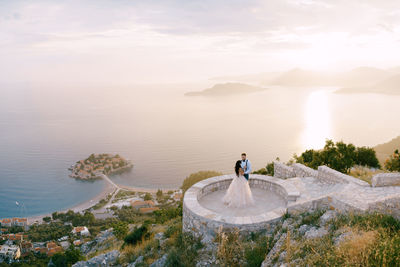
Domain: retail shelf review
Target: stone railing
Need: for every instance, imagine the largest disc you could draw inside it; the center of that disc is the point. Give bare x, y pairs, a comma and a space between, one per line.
301, 170
329, 175
202, 221
386, 179
283, 171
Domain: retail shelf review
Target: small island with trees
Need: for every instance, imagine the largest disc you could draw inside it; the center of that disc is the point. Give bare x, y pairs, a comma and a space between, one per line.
98, 164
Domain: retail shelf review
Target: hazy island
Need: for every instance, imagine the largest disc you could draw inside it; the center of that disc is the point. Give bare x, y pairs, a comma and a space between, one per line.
224, 89
389, 86
97, 164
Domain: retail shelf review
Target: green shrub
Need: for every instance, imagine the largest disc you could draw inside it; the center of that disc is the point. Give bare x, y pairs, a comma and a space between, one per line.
256, 253
393, 162
137, 235
197, 177
268, 170
120, 229
166, 214
184, 250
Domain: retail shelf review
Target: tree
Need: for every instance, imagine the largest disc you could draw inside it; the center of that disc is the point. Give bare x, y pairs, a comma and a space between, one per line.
47, 219
148, 196
159, 193
68, 258
338, 156
366, 156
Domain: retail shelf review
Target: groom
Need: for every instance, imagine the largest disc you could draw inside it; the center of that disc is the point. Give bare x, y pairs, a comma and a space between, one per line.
246, 166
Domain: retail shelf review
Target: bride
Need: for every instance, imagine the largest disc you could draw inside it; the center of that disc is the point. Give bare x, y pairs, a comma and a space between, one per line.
238, 194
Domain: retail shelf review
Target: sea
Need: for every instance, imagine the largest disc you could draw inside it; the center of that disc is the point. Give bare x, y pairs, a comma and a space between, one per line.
45, 128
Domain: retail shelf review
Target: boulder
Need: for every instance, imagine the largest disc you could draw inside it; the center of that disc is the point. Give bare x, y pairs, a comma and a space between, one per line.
106, 259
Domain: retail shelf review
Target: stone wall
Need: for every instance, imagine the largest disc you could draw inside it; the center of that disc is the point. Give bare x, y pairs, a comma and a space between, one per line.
386, 179
329, 175
390, 206
301, 170
283, 171
204, 222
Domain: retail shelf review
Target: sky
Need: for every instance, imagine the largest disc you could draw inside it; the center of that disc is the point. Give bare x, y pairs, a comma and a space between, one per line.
121, 41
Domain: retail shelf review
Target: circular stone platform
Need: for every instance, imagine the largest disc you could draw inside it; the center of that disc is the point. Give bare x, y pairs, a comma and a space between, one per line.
204, 212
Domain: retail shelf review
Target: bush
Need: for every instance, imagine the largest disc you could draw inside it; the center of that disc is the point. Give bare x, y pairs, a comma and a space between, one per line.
167, 214
197, 177
68, 258
137, 235
183, 252
256, 253
268, 170
230, 248
120, 229
393, 162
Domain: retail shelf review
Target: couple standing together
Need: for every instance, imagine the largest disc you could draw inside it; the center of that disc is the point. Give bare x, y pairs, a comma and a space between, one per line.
239, 194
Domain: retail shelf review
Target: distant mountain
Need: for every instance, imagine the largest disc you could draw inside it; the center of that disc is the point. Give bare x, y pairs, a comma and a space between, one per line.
395, 70
390, 86
355, 80
299, 77
224, 89
258, 78
362, 76
383, 151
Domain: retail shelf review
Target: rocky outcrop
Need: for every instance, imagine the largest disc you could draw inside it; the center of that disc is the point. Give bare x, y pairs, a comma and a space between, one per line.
386, 179
106, 259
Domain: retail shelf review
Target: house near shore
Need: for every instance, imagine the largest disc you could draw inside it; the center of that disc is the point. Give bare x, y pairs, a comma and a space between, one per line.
26, 247
53, 248
81, 230
10, 252
14, 237
142, 204
7, 222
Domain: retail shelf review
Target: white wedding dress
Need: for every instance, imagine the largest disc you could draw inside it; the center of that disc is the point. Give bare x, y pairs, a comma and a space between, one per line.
239, 193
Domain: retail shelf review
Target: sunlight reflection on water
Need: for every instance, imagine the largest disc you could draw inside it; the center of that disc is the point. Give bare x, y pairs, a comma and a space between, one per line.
317, 120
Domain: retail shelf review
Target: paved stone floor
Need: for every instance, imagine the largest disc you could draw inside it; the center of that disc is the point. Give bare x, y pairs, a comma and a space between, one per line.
264, 201
357, 196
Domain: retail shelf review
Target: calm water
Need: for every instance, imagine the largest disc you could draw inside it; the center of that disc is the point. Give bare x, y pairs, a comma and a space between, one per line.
45, 129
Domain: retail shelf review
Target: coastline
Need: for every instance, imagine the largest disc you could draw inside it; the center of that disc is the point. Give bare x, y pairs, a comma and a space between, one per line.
109, 188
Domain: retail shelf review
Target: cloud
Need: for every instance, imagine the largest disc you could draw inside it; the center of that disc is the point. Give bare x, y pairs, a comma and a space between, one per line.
164, 37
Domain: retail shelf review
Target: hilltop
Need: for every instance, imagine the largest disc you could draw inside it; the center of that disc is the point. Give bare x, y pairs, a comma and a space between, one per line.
383, 151
390, 86
225, 89
358, 80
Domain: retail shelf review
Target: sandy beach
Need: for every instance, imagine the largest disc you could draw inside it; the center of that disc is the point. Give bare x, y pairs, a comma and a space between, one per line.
110, 188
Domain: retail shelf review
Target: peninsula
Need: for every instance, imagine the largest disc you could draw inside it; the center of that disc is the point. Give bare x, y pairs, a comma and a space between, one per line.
97, 165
